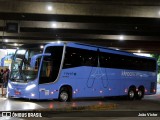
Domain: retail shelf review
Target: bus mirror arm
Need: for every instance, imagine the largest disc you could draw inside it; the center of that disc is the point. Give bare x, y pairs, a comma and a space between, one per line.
35, 57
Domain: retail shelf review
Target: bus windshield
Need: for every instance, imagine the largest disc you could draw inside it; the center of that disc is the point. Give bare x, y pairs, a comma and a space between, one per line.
20, 69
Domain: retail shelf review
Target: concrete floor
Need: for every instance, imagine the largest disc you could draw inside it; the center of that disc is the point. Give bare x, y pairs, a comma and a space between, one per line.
149, 103
21, 104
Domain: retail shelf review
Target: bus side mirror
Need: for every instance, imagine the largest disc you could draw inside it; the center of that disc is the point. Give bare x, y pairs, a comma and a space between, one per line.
35, 57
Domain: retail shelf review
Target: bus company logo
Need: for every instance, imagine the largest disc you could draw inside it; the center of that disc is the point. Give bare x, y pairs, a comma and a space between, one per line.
70, 73
129, 74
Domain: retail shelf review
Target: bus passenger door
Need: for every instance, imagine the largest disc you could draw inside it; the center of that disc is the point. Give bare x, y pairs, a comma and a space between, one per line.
49, 72
45, 81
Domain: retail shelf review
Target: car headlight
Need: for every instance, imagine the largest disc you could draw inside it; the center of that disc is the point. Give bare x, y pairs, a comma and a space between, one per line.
30, 87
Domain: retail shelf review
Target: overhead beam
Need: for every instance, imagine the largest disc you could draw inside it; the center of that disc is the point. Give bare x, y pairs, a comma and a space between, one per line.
80, 9
41, 35
123, 26
145, 47
99, 2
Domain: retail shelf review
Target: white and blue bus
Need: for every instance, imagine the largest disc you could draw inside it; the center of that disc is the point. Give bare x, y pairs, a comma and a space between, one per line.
66, 71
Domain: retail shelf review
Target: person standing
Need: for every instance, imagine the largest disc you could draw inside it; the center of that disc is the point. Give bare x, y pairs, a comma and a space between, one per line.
5, 77
1, 76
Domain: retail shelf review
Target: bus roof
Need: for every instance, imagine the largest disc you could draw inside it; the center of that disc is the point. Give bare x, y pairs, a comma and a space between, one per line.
88, 46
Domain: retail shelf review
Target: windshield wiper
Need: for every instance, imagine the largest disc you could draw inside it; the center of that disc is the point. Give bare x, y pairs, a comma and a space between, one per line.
12, 79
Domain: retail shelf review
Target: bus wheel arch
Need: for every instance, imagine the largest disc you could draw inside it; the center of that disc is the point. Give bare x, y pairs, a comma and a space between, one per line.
65, 93
140, 92
132, 92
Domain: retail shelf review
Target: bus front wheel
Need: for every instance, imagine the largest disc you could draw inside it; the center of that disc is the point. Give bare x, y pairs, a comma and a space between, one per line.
64, 96
131, 94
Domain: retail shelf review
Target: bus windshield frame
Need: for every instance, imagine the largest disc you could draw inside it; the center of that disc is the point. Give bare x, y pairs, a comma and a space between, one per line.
21, 71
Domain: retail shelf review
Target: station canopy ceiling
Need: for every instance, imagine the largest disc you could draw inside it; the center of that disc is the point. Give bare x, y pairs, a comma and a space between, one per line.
129, 25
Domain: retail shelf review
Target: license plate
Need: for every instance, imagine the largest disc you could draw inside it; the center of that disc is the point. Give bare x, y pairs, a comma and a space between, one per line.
17, 92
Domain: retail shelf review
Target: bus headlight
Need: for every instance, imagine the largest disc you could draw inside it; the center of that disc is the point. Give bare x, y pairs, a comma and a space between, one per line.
30, 87
10, 86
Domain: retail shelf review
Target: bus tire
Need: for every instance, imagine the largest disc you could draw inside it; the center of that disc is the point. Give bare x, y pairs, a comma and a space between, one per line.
131, 94
140, 94
64, 96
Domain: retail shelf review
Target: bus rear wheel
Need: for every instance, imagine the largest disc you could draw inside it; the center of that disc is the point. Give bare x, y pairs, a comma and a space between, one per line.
131, 94
140, 94
64, 96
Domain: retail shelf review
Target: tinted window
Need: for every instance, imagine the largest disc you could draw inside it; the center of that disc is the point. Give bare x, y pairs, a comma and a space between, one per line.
75, 57
109, 60
51, 64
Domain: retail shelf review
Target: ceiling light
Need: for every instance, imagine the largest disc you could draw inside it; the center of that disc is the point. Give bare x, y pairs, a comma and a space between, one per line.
136, 27
15, 44
6, 40
51, 42
121, 37
139, 51
54, 25
41, 46
58, 41
49, 8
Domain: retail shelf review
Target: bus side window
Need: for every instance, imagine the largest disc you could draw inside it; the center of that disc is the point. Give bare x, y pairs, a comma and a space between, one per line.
81, 56
90, 58
72, 58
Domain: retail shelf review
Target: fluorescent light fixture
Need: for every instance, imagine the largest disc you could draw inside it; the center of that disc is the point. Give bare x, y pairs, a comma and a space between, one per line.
58, 41
121, 37
15, 44
139, 51
29, 87
51, 42
49, 8
54, 25
6, 40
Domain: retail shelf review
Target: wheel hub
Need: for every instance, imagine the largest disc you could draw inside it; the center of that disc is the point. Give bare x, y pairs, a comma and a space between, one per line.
131, 94
64, 96
139, 93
